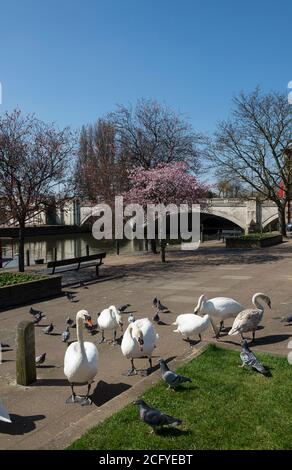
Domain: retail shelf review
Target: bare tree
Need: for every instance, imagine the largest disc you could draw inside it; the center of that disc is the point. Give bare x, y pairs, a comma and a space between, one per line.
151, 133
253, 146
34, 161
101, 170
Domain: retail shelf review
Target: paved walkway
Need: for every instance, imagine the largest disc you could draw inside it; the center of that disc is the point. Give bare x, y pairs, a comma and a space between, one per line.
39, 412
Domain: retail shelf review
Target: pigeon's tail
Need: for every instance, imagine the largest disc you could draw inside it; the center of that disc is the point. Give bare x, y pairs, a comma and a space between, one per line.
185, 379
261, 369
173, 421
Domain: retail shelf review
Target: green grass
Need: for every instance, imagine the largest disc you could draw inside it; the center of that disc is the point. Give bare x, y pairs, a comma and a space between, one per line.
10, 279
225, 407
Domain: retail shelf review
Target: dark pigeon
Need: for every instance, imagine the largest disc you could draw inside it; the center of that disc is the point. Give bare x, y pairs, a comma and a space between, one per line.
249, 359
155, 418
156, 318
70, 322
170, 377
123, 308
48, 330
154, 302
34, 312
40, 359
131, 318
66, 335
162, 308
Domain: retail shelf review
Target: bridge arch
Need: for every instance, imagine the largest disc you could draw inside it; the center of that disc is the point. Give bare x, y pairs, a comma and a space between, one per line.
225, 216
270, 220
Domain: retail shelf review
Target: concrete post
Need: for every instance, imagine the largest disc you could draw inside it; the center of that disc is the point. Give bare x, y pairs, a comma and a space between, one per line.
25, 354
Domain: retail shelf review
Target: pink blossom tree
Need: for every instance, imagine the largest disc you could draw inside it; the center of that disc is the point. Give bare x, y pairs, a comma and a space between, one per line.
168, 183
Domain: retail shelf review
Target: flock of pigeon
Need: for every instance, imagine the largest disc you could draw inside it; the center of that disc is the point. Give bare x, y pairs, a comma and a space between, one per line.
139, 340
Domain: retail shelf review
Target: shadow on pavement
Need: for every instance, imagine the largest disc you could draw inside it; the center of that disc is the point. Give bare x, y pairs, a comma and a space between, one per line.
20, 424
104, 391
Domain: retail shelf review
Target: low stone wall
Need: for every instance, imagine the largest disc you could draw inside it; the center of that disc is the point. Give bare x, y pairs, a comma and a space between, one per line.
256, 243
19, 294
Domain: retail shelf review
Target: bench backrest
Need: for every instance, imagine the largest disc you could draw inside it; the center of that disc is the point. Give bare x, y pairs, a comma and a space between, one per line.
80, 259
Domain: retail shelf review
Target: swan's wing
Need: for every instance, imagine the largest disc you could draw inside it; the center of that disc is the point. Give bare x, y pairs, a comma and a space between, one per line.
4, 415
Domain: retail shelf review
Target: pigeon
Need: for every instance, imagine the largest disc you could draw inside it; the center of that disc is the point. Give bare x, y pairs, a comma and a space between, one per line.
34, 312
287, 319
156, 318
66, 335
131, 318
48, 330
154, 302
40, 359
155, 418
38, 317
123, 308
70, 322
91, 328
249, 359
170, 377
70, 296
161, 308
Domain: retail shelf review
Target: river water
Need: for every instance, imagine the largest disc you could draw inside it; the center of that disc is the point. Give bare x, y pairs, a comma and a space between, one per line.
66, 246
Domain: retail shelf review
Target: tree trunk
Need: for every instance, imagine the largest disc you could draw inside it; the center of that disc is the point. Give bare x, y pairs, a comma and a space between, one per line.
162, 250
21, 247
153, 246
282, 219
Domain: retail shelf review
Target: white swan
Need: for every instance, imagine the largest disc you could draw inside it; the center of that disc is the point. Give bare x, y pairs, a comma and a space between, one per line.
109, 319
190, 324
81, 361
4, 415
249, 319
138, 341
219, 308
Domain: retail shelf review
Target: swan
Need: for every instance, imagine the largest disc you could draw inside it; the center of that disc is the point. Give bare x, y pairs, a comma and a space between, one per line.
4, 415
219, 308
109, 319
248, 319
190, 324
138, 341
81, 361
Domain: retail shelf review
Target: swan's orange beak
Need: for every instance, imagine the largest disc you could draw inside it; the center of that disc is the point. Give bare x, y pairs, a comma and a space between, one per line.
89, 322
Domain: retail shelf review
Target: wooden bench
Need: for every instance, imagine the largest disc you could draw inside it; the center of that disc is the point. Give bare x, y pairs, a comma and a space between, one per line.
93, 260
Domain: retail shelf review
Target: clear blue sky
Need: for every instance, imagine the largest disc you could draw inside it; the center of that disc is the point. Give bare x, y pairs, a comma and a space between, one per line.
71, 61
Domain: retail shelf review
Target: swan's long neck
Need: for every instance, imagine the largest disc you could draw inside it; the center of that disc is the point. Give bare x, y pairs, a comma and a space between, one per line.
256, 302
79, 332
200, 303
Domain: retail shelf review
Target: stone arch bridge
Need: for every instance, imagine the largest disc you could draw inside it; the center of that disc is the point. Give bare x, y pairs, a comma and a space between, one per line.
244, 213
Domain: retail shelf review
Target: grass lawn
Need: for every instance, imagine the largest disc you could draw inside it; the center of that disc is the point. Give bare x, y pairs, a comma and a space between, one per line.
10, 279
225, 407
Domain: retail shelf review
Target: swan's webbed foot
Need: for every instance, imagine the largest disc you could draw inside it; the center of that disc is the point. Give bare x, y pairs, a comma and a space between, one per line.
102, 340
74, 399
86, 401
131, 372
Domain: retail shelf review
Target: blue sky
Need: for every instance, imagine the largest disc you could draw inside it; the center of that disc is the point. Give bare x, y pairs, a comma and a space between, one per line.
73, 61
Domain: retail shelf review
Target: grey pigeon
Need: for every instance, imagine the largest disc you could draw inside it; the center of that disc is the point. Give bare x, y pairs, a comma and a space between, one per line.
48, 330
33, 311
123, 308
38, 317
249, 359
131, 318
287, 319
170, 377
70, 296
66, 335
155, 418
40, 359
